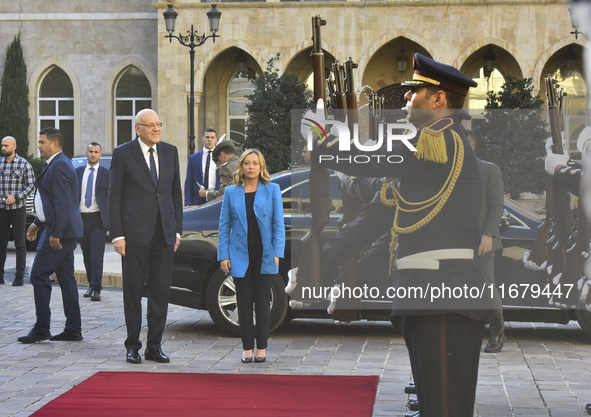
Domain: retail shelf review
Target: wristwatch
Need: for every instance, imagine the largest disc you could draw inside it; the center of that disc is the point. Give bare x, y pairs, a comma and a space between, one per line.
489, 235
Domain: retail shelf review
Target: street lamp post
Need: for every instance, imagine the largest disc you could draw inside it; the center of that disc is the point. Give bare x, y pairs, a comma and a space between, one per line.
192, 40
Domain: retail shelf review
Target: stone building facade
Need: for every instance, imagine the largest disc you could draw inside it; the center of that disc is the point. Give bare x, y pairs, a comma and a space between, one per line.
117, 59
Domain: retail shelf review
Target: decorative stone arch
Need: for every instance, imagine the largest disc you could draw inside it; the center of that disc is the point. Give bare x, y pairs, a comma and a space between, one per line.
300, 62
35, 80
110, 87
211, 97
469, 51
389, 36
386, 82
210, 55
543, 59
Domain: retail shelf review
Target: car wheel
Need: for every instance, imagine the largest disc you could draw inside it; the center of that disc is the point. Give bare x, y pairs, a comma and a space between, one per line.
584, 319
221, 302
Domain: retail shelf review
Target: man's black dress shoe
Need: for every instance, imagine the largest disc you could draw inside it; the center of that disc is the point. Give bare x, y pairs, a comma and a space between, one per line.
67, 336
495, 344
95, 296
413, 404
412, 414
17, 283
410, 388
34, 337
260, 359
246, 360
88, 293
156, 356
133, 356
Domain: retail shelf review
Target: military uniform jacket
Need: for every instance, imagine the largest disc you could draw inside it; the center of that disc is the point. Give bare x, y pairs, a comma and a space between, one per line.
421, 291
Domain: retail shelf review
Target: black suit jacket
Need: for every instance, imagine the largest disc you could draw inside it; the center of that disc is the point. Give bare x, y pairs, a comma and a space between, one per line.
134, 200
101, 190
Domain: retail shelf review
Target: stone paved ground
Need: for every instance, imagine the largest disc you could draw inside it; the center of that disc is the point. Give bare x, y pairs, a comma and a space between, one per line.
544, 370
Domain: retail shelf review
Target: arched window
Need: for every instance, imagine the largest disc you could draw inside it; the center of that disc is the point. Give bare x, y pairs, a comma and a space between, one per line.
133, 93
477, 99
56, 106
239, 90
574, 104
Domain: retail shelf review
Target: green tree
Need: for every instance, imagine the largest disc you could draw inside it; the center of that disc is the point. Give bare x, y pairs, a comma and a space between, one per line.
14, 98
513, 136
269, 107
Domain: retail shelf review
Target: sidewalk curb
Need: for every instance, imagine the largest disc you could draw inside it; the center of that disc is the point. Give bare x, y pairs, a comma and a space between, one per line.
110, 279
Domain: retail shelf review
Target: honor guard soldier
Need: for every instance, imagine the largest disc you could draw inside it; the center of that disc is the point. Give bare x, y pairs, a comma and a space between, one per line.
435, 190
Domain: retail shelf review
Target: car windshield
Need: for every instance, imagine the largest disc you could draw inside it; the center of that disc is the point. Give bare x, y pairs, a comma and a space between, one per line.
520, 208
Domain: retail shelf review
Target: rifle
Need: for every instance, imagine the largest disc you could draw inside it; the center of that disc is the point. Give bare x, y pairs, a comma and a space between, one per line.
348, 309
548, 248
376, 105
308, 273
561, 226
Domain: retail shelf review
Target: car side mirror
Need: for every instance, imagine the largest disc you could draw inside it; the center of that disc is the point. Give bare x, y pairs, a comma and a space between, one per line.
505, 221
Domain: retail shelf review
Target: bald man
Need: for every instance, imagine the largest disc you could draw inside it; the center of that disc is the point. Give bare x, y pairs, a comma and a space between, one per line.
17, 182
145, 216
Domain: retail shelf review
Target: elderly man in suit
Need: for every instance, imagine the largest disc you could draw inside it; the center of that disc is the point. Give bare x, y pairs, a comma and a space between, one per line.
56, 205
201, 172
490, 241
145, 216
93, 181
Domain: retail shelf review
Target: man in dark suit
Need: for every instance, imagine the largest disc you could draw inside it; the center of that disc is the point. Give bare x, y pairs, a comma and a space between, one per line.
201, 173
56, 205
145, 216
93, 181
490, 241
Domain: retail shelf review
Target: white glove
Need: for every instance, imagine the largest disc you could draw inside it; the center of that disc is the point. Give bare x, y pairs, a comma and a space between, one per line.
313, 120
549, 143
553, 159
584, 139
342, 177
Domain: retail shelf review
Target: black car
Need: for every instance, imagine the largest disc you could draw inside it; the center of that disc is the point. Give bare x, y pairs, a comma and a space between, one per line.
198, 282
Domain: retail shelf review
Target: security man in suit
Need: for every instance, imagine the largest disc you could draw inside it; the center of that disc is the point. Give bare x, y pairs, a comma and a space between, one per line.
93, 180
224, 156
435, 232
146, 220
201, 172
490, 241
58, 216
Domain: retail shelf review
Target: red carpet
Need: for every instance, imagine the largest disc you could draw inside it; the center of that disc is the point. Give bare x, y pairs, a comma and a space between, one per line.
212, 395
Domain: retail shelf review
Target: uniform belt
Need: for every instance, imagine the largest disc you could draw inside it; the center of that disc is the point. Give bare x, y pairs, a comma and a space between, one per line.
430, 259
91, 214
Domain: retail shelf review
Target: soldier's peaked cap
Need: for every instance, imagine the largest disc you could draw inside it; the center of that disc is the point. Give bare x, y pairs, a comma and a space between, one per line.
429, 72
221, 145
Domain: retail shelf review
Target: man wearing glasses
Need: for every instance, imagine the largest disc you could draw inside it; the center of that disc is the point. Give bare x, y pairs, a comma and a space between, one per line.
146, 215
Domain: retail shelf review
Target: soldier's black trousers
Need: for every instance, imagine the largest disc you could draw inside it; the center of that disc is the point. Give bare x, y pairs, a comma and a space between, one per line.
444, 352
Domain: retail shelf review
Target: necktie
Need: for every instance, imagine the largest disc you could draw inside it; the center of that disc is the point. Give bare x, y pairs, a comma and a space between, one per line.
206, 175
88, 195
153, 167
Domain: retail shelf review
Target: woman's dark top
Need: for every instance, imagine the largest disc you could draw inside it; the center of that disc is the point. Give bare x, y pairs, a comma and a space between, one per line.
255, 244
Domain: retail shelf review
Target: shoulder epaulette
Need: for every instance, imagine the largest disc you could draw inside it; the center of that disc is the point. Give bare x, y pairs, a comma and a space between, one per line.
431, 143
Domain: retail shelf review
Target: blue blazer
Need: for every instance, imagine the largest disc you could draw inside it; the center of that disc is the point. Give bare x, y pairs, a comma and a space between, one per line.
194, 177
233, 237
58, 188
101, 190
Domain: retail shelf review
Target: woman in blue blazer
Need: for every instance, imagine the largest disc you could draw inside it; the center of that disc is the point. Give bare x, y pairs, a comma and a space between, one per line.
251, 241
